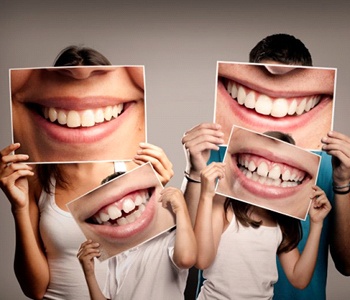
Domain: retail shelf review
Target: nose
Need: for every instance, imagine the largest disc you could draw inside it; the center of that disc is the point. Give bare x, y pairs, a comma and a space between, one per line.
80, 73
279, 70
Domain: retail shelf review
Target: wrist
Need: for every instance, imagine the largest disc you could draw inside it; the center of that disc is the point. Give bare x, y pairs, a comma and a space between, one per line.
191, 177
341, 187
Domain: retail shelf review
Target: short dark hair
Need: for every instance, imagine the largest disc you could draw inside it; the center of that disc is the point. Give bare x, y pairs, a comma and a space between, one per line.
283, 48
80, 56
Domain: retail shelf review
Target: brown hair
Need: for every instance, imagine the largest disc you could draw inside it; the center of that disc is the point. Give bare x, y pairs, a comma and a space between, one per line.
290, 227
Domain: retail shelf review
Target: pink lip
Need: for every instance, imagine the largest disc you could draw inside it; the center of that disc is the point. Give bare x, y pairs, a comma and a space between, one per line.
261, 190
121, 232
260, 122
85, 135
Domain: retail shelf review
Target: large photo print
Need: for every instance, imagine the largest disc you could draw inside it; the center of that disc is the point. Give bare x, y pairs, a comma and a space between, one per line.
84, 113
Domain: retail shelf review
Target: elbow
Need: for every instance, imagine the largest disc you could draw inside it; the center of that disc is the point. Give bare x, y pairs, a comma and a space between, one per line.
33, 294
187, 261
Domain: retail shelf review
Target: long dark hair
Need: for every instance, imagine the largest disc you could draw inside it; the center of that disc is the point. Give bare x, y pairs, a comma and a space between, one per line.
290, 227
69, 56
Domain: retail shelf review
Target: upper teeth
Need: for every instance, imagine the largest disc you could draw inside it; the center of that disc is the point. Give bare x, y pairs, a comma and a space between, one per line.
84, 118
265, 105
132, 207
270, 173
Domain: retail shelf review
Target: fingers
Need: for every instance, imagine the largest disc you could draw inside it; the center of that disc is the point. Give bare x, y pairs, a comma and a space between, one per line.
89, 249
206, 134
214, 170
337, 144
8, 157
157, 157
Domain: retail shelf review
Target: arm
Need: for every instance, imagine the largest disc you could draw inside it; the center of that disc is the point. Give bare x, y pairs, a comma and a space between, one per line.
198, 142
185, 248
157, 157
86, 255
299, 268
338, 145
30, 262
209, 223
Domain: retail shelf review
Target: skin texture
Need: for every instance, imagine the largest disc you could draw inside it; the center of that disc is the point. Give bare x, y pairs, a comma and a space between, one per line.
19, 183
78, 89
277, 81
293, 201
211, 222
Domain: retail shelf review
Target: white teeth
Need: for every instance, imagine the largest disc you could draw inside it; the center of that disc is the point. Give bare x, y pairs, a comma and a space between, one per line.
273, 176
279, 108
128, 205
241, 95
84, 118
138, 200
114, 212
275, 172
122, 221
62, 117
263, 169
250, 100
87, 118
265, 105
73, 119
286, 175
104, 217
292, 107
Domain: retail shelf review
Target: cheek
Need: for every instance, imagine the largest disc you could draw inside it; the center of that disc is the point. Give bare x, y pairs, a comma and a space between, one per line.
19, 78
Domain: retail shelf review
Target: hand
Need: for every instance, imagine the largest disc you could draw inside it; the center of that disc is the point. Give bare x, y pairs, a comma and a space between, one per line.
174, 197
338, 145
320, 206
13, 176
198, 142
86, 254
157, 157
208, 178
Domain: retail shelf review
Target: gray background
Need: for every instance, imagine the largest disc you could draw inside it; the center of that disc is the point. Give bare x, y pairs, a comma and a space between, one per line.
179, 44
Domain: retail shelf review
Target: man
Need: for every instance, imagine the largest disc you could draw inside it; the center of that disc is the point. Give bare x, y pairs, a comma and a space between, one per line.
202, 145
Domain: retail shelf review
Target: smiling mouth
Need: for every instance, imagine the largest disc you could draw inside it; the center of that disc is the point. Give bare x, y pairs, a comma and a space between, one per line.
82, 118
123, 211
269, 173
270, 106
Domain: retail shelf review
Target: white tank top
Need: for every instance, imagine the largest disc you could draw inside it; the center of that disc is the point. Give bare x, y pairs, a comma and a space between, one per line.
245, 264
62, 238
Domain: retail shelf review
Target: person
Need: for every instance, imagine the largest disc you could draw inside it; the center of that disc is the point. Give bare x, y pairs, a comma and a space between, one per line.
82, 111
159, 267
205, 143
46, 234
276, 97
238, 242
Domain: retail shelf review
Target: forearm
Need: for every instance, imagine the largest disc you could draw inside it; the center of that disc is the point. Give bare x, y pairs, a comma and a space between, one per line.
305, 265
94, 289
340, 233
204, 234
185, 249
191, 194
30, 263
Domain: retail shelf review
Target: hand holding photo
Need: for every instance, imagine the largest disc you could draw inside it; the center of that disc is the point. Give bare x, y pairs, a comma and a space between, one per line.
268, 171
123, 212
84, 113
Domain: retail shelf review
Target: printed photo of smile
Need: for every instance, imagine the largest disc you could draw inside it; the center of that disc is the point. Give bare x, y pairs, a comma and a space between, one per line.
85, 113
268, 171
286, 98
123, 212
